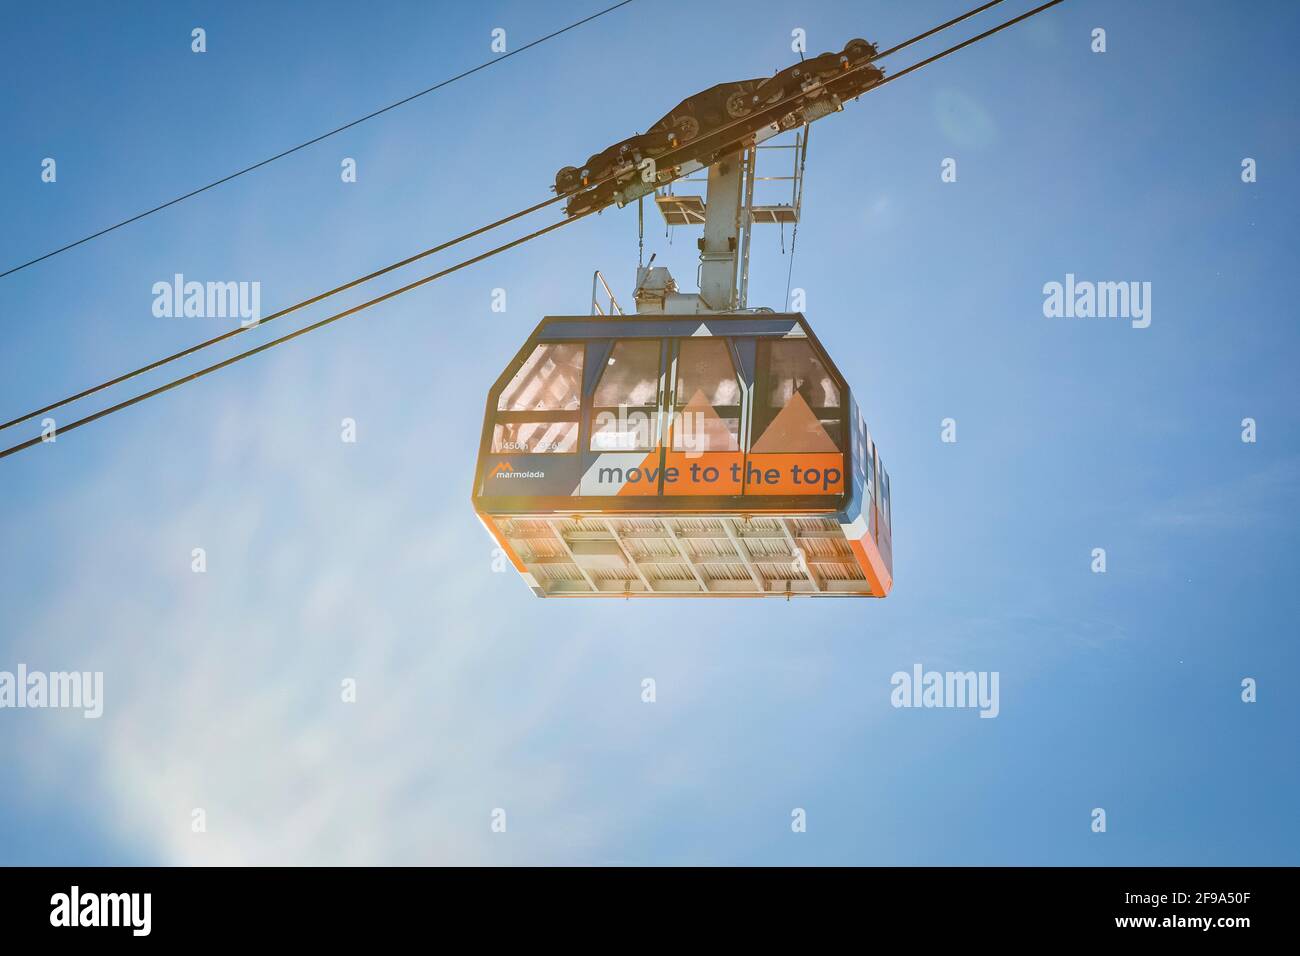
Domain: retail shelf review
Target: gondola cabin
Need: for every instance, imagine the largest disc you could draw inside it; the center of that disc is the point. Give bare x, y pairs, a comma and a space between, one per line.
719, 455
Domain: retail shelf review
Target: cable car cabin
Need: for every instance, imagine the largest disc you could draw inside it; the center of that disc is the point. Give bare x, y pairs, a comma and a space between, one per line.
696, 456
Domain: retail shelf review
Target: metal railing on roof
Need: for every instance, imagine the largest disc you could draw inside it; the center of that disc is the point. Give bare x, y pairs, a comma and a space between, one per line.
598, 282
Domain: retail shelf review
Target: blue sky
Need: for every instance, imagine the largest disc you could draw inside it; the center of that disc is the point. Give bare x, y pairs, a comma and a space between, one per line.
329, 560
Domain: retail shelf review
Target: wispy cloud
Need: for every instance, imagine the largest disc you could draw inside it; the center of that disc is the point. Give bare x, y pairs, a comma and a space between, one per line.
1261, 497
223, 689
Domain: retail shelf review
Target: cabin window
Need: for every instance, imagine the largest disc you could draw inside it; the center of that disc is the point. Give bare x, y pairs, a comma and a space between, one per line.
860, 445
798, 405
884, 496
889, 503
538, 411
872, 493
625, 407
707, 398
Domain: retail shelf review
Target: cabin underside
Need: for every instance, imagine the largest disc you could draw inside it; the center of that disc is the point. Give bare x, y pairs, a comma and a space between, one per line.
673, 555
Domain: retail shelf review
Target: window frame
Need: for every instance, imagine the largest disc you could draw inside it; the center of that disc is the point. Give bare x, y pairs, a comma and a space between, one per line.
592, 410
760, 420
676, 405
524, 416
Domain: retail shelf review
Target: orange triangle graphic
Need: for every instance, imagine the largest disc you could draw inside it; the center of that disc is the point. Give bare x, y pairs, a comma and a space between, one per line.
701, 428
795, 429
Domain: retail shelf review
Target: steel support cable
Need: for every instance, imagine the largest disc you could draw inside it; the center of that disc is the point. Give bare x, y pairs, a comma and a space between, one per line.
311, 142
125, 376
440, 247
961, 46
905, 71
330, 319
941, 27
176, 383
793, 97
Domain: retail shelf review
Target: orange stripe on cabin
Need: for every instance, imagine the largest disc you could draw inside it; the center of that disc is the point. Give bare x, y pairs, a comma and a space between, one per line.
873, 566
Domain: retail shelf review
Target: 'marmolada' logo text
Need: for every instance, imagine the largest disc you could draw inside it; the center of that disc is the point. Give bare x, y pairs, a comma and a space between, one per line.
83, 690
946, 689
507, 470
102, 909
1098, 300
